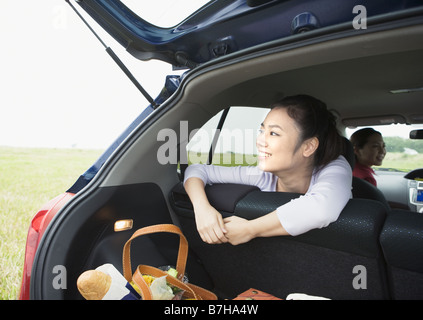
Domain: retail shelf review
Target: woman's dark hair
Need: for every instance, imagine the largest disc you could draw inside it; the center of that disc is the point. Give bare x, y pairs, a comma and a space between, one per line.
315, 120
361, 137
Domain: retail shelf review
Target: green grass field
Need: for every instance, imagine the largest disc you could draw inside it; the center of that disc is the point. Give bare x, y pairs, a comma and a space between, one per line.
31, 177
402, 161
28, 179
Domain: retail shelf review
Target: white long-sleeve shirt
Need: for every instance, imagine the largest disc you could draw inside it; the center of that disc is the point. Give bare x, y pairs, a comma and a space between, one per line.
327, 195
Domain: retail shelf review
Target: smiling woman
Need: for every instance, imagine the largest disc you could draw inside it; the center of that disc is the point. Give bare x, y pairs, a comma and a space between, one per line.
369, 150
299, 151
402, 153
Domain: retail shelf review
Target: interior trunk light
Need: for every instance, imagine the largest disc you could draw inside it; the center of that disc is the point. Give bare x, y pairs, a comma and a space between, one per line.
407, 90
122, 225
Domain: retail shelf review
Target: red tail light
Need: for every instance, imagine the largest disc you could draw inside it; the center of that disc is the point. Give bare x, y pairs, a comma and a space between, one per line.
36, 230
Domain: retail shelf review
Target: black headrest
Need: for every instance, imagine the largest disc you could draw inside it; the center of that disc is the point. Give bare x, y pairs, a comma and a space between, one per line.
349, 152
365, 190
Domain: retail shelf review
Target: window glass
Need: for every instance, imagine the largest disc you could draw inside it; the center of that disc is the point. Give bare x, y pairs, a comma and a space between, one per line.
402, 153
236, 144
164, 13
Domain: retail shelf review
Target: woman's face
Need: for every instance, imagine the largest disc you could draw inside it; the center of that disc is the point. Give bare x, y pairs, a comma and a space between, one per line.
277, 143
373, 152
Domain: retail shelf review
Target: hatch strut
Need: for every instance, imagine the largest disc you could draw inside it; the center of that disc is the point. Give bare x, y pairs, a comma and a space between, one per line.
117, 60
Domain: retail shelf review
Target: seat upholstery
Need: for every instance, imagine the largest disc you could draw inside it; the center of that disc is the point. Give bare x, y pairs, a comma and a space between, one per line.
365, 190
320, 262
348, 152
402, 243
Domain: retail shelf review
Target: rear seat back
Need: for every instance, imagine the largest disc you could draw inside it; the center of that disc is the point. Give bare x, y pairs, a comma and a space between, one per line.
402, 243
321, 262
363, 189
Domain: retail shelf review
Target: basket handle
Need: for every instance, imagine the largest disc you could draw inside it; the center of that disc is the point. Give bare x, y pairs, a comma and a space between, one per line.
170, 228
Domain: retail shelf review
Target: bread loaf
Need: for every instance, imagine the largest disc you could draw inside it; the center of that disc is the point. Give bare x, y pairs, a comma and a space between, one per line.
94, 284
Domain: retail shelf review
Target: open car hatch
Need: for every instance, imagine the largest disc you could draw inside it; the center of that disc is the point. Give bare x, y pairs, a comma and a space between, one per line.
222, 27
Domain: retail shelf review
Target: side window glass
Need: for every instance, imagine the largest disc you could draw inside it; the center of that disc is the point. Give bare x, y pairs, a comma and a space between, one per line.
236, 143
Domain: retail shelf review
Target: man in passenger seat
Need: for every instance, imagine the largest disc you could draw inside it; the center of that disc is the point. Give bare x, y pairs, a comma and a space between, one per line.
299, 151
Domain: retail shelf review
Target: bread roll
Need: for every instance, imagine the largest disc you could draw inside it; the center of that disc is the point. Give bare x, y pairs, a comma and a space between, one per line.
94, 284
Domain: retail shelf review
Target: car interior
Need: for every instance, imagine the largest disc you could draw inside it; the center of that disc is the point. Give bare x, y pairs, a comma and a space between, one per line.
358, 74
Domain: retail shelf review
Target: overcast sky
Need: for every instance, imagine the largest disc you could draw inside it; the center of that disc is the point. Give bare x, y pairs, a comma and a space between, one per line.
59, 88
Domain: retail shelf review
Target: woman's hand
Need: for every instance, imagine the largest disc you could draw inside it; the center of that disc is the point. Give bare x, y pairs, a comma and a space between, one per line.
210, 224
214, 229
209, 221
238, 230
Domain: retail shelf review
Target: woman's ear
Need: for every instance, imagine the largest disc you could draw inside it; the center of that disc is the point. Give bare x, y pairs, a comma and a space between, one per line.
356, 151
310, 146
